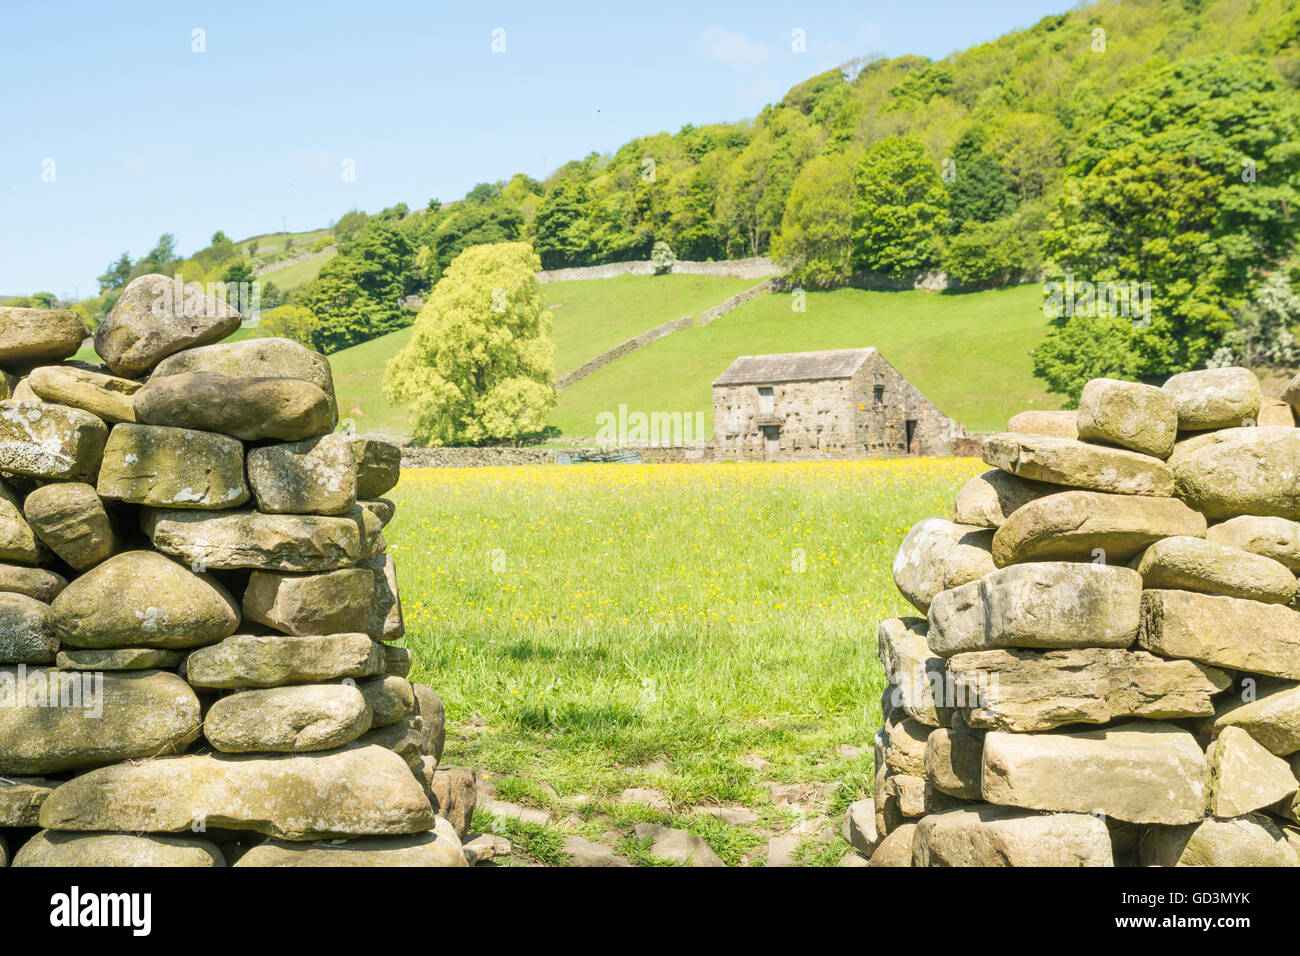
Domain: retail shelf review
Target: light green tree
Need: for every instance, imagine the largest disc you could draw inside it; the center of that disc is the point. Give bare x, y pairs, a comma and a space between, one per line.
816, 238
480, 365
899, 208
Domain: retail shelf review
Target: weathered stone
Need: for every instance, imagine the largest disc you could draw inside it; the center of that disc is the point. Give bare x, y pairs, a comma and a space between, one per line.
937, 555
117, 849
428, 705
1075, 525
585, 853
678, 846
1195, 564
1139, 772
1142, 418
18, 541
1253, 840
900, 797
1005, 836
1214, 398
397, 661
34, 582
1222, 631
249, 539
1024, 691
143, 599
1240, 471
357, 791
1291, 394
173, 467
313, 476
26, 636
255, 358
912, 671
437, 847
381, 508
903, 745
1276, 538
1272, 718
451, 791
990, 499
896, 848
294, 719
247, 660
482, 847
105, 396
1056, 424
953, 762
32, 336
389, 699
379, 466
328, 603
1244, 776
1042, 604
285, 409
386, 622
119, 659
21, 799
55, 442
1063, 461
1274, 411
70, 519
422, 733
859, 827
100, 718
153, 319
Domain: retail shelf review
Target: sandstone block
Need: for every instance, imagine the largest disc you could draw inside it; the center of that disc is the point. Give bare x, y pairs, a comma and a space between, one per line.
937, 555
896, 848
437, 847
1142, 418
1214, 398
312, 476
293, 719
1272, 718
381, 508
26, 636
1063, 461
33, 336
1253, 840
953, 761
1005, 836
1195, 564
1240, 471
379, 466
285, 409
71, 520
327, 603
21, 799
54, 442
389, 699
397, 661
386, 622
154, 319
990, 499
1244, 776
859, 828
247, 660
105, 396
18, 540
173, 468
34, 582
1222, 631
915, 675
1272, 537
1057, 424
119, 659
1274, 411
451, 791
48, 848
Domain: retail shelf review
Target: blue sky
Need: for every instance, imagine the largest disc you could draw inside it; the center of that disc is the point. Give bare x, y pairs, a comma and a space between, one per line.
117, 130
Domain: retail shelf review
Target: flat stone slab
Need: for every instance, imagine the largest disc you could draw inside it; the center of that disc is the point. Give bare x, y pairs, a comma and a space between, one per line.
1057, 424
312, 476
1050, 604
39, 583
679, 846
937, 555
268, 357
284, 409
364, 791
98, 719
26, 636
1245, 777
1222, 631
247, 660
143, 599
913, 672
48, 848
1062, 461
1139, 772
990, 499
33, 336
436, 847
70, 519
173, 468
1272, 718
1141, 418
231, 540
106, 396
1214, 398
119, 659
1253, 840
155, 316
54, 442
1024, 691
1005, 836
1195, 564
1086, 525
21, 799
294, 719
331, 602
1240, 471
1272, 537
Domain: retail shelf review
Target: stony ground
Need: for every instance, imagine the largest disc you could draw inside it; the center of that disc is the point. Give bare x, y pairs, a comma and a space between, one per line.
627, 648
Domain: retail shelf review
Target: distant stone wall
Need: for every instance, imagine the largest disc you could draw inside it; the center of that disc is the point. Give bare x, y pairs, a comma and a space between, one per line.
475, 457
624, 348
739, 299
757, 267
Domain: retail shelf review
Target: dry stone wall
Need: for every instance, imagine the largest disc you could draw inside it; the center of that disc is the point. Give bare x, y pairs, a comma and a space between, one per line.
197, 608
1105, 665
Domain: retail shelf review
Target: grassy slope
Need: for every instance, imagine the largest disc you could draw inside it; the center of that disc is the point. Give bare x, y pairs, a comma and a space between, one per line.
292, 277
968, 353
604, 618
591, 317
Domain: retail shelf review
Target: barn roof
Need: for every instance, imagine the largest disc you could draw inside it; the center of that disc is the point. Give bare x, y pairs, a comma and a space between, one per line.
794, 367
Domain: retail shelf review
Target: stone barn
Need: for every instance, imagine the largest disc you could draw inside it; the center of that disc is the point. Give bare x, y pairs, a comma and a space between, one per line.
848, 403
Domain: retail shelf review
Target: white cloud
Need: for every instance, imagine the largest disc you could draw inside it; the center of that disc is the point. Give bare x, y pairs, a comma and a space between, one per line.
734, 49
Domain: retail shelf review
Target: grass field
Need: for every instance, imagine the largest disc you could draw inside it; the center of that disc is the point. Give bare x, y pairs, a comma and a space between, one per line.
290, 278
967, 353
594, 628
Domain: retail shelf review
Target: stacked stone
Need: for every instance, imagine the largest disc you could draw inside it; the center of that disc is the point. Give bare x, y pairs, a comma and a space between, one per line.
1108, 669
196, 607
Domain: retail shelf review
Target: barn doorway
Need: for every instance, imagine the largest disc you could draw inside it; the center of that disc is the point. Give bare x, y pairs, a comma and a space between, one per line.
771, 442
910, 429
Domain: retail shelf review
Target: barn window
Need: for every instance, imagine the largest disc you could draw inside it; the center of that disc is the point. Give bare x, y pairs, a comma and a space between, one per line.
766, 403
878, 394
